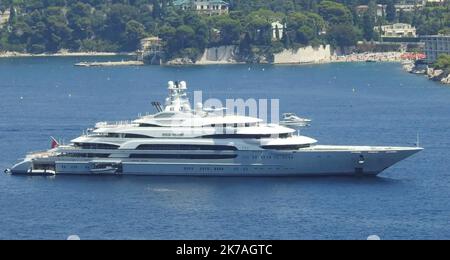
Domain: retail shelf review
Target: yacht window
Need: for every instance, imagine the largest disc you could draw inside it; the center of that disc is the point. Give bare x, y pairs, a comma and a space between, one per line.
96, 146
88, 155
285, 147
247, 124
235, 125
136, 136
234, 136
186, 147
165, 115
148, 125
183, 156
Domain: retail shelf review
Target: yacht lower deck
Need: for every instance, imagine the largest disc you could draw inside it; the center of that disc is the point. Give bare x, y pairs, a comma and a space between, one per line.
313, 161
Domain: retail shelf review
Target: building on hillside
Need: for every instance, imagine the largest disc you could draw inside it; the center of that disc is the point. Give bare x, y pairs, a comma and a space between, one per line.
206, 7
277, 30
397, 30
420, 3
412, 2
408, 7
436, 45
435, 1
362, 9
4, 17
151, 50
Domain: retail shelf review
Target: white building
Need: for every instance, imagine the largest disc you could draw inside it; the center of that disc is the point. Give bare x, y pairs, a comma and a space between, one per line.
412, 2
436, 45
208, 7
361, 9
277, 30
4, 18
435, 1
397, 30
408, 7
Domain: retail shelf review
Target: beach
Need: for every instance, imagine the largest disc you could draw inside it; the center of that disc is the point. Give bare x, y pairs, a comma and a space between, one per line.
374, 56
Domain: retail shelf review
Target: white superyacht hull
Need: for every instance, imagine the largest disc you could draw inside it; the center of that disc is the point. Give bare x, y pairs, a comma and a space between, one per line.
314, 161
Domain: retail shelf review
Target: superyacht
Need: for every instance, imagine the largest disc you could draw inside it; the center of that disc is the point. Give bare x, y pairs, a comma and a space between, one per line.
183, 141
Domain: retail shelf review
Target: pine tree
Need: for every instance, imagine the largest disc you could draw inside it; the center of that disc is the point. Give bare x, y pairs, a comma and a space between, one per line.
12, 15
287, 41
156, 12
277, 33
368, 25
391, 12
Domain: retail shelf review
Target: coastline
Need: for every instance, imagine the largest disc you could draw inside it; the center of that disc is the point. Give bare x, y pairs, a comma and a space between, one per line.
438, 75
9, 54
397, 57
334, 58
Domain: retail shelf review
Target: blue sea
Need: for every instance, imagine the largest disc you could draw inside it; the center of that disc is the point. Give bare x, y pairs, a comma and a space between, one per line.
355, 104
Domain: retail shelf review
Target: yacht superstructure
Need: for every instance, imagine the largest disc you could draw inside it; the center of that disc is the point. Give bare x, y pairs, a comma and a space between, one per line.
183, 141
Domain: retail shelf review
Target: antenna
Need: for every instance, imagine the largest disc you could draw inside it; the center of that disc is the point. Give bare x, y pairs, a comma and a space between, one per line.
157, 106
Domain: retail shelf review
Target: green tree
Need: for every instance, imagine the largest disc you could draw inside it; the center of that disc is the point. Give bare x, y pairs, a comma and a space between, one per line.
184, 36
305, 35
443, 62
391, 12
335, 13
287, 41
58, 33
156, 9
12, 15
79, 18
134, 32
229, 29
343, 35
259, 26
368, 26
304, 27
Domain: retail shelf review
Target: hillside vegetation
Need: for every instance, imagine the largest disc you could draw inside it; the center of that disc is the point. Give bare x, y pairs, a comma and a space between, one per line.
38, 26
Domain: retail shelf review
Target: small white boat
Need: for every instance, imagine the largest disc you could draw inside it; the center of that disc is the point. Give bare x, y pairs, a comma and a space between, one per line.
104, 168
291, 119
34, 172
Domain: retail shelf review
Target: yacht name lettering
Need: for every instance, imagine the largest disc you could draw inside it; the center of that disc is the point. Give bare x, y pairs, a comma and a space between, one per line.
172, 134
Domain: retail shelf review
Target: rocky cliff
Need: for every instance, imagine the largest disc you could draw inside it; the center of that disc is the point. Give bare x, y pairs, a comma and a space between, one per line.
219, 55
230, 55
320, 54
